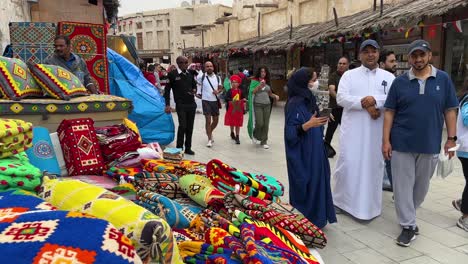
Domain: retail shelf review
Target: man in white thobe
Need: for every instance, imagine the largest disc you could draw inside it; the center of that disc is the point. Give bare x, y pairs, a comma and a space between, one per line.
362, 93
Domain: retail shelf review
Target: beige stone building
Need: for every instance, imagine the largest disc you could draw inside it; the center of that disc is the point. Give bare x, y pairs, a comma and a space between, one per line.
252, 18
161, 35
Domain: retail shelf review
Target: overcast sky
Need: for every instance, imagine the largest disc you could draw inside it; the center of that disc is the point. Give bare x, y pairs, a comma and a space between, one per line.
133, 6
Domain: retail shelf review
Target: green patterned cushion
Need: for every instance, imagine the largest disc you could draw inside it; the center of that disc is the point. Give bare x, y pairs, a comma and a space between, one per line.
57, 82
199, 189
16, 81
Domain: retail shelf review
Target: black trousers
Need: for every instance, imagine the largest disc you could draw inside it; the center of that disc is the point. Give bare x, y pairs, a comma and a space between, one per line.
464, 204
332, 125
186, 119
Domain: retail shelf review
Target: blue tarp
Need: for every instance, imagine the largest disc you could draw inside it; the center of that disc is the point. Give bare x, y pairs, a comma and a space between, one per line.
126, 80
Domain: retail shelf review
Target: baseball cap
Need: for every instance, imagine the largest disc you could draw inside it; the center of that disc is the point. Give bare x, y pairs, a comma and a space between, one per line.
419, 44
369, 42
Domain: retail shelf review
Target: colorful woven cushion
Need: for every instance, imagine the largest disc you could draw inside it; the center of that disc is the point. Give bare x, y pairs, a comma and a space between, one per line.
200, 189
276, 236
150, 234
279, 215
57, 82
80, 147
177, 214
166, 184
16, 82
42, 153
226, 178
17, 173
57, 235
15, 136
22, 201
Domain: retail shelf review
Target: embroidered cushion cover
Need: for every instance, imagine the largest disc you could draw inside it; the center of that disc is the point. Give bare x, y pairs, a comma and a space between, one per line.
33, 231
57, 81
151, 235
80, 147
16, 82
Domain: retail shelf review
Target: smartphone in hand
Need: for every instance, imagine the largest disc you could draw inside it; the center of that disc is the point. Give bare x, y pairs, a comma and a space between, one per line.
326, 112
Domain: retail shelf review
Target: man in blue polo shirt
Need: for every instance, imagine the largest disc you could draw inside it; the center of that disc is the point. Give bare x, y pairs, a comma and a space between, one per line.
415, 109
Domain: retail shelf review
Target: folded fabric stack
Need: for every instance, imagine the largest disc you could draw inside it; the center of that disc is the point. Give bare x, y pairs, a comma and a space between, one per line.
151, 235
177, 213
173, 154
180, 168
115, 141
123, 175
277, 214
214, 238
17, 173
33, 231
15, 137
228, 179
166, 184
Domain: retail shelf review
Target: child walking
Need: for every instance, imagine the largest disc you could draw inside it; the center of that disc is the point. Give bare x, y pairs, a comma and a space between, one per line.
235, 102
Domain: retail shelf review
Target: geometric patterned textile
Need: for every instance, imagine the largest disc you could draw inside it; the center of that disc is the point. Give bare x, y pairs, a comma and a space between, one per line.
176, 214
32, 41
89, 41
80, 147
85, 104
16, 82
279, 215
15, 136
151, 235
57, 82
226, 178
32, 231
166, 184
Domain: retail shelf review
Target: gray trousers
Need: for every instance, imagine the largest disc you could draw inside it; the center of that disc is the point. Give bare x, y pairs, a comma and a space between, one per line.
411, 173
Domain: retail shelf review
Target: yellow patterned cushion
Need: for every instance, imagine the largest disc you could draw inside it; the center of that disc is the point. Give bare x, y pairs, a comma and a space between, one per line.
16, 82
57, 82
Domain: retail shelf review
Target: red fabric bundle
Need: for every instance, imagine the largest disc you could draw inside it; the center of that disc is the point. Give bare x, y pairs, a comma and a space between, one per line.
80, 147
117, 140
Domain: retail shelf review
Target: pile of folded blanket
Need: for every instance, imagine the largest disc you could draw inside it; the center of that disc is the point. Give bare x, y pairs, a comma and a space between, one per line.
15, 137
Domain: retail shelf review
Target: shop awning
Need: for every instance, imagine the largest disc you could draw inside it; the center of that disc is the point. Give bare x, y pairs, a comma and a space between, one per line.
394, 15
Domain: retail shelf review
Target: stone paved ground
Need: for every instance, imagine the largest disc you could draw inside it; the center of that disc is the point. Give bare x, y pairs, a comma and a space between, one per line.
350, 240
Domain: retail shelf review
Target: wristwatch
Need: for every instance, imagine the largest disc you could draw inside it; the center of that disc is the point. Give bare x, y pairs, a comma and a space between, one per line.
454, 138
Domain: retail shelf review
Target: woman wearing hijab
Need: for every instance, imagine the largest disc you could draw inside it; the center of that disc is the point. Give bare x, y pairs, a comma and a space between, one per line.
308, 166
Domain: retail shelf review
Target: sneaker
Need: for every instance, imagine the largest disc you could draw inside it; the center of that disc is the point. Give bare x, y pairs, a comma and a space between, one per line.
255, 141
210, 143
265, 146
463, 223
189, 152
407, 235
457, 204
233, 136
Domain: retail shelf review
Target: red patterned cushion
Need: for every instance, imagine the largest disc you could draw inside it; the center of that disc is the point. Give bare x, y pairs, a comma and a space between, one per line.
16, 81
80, 147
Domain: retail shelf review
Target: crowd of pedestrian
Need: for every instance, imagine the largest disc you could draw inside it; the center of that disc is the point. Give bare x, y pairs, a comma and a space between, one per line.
390, 129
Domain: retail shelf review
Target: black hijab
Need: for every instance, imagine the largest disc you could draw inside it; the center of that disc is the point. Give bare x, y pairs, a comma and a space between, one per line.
298, 86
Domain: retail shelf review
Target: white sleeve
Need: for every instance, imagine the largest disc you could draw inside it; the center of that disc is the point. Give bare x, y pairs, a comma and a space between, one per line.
344, 98
198, 79
382, 97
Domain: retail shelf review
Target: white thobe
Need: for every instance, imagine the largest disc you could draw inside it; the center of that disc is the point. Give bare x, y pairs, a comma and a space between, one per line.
360, 166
